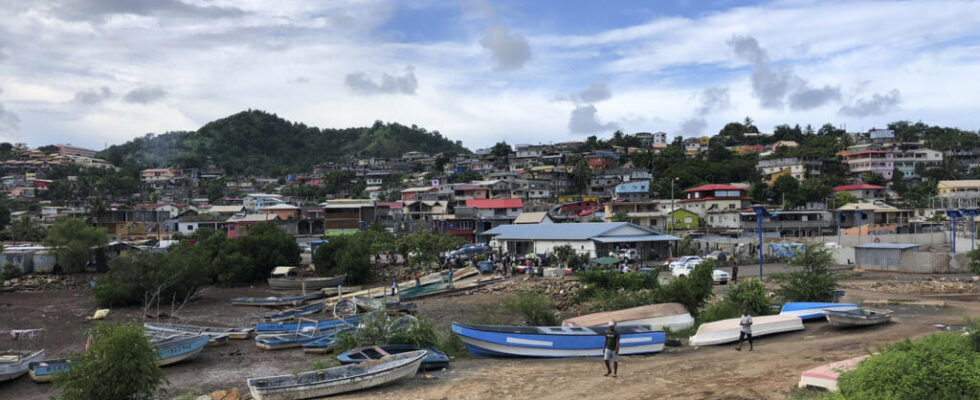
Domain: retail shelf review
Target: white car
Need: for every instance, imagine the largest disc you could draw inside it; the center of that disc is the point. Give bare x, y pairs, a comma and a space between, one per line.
720, 277
681, 261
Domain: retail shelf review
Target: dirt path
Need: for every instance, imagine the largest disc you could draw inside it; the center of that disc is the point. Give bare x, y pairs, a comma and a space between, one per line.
716, 372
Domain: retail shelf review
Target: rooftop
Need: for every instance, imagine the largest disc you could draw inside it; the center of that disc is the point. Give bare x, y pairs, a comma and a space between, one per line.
714, 186
860, 186
609, 231
495, 203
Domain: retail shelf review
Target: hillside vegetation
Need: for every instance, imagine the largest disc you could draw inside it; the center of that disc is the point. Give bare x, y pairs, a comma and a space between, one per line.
257, 142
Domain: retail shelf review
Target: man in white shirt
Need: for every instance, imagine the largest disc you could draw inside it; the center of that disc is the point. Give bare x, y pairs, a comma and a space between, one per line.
746, 332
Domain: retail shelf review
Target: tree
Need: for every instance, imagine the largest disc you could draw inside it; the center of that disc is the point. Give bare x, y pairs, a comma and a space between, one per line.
874, 178
812, 280
75, 242
581, 174
694, 290
142, 278
26, 229
120, 364
620, 217
265, 247
345, 254
844, 198
786, 190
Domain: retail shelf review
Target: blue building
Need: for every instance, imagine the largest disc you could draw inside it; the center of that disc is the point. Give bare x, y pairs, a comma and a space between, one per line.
633, 191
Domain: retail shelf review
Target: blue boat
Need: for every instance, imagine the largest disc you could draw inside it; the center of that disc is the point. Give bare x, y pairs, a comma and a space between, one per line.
325, 344
177, 349
277, 301
555, 341
291, 313
280, 327
435, 359
809, 311
43, 371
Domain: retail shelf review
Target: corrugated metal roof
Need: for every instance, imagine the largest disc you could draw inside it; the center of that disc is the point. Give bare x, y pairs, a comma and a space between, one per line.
899, 246
572, 231
641, 238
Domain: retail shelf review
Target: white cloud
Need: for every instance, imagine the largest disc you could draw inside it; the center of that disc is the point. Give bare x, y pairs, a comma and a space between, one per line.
361, 83
510, 51
145, 95
877, 104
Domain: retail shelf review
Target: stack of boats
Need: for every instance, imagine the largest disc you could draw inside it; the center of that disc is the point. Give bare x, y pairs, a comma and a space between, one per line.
672, 316
284, 278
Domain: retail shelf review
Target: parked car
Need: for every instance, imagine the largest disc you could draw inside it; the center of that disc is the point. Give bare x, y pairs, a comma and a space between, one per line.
628, 254
718, 255
681, 261
469, 249
719, 276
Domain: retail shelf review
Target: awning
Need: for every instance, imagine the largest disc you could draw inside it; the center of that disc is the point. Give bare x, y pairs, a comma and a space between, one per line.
606, 260
640, 238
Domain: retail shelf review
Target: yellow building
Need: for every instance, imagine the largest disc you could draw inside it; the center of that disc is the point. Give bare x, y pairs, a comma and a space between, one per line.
967, 187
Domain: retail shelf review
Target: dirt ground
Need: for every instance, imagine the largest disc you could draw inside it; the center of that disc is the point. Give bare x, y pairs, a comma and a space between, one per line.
715, 372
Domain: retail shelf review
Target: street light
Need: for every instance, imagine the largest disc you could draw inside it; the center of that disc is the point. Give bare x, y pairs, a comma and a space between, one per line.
671, 216
760, 212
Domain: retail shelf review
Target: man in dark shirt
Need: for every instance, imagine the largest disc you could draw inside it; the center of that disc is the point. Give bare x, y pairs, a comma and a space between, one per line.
610, 353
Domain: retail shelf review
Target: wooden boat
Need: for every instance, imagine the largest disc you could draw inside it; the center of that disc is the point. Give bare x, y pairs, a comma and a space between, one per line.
298, 337
555, 341
809, 311
310, 283
231, 333
325, 344
335, 290
434, 360
177, 349
43, 371
291, 313
857, 317
331, 381
825, 376
277, 301
671, 316
268, 329
726, 330
214, 340
370, 304
14, 363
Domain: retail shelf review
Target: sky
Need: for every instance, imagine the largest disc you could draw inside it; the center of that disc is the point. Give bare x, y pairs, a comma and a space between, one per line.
100, 72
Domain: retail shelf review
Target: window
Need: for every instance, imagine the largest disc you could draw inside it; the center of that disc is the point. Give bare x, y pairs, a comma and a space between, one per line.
688, 220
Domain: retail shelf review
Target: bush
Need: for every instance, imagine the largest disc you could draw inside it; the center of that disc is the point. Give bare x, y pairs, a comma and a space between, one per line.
10, 271
750, 294
939, 366
974, 256
536, 308
813, 281
692, 291
135, 278
600, 283
348, 254
120, 364
75, 242
725, 309
973, 330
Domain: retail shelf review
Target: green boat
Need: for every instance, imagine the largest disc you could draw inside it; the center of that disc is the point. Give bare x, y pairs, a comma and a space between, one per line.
417, 291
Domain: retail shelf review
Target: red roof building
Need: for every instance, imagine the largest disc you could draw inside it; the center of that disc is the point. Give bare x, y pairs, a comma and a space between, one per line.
862, 191
494, 203
711, 201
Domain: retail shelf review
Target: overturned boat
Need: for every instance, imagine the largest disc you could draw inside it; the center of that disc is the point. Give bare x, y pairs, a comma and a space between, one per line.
671, 316
14, 363
808, 311
727, 330
435, 359
555, 341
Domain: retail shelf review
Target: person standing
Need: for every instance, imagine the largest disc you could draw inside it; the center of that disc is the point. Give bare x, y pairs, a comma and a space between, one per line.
418, 281
610, 352
746, 332
450, 277
394, 286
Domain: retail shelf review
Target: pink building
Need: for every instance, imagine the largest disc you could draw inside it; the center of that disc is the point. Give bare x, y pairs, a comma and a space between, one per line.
862, 162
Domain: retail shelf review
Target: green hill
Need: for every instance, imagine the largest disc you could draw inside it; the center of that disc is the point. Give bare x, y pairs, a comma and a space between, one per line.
257, 142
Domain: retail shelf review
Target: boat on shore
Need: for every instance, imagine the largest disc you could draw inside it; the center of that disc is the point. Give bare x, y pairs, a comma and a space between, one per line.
268, 329
14, 363
43, 371
555, 341
291, 313
308, 283
177, 349
231, 333
434, 360
727, 330
825, 376
671, 316
371, 304
325, 344
273, 301
858, 317
331, 381
809, 311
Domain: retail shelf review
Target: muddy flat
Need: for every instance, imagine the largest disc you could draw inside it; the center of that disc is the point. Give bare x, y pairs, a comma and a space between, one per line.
713, 372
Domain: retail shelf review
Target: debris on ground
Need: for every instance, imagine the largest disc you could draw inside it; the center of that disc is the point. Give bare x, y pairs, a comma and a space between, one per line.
941, 285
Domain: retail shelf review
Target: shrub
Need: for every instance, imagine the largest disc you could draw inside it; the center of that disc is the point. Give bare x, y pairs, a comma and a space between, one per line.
602, 284
813, 280
75, 242
939, 366
974, 256
535, 308
135, 278
973, 330
120, 364
692, 291
348, 254
725, 309
10, 271
750, 294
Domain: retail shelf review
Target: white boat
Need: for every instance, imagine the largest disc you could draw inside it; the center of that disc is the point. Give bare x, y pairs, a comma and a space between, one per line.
726, 330
810, 310
671, 316
857, 317
14, 363
825, 376
331, 381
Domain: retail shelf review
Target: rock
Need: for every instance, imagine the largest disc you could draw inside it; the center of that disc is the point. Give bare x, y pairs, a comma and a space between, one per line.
975, 278
203, 397
225, 395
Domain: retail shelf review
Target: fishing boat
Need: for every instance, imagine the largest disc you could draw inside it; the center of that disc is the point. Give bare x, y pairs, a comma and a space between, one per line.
268, 329
231, 333
727, 330
809, 311
291, 313
434, 360
14, 363
214, 340
277, 301
308, 283
326, 343
857, 317
177, 349
43, 371
342, 379
369, 304
671, 316
825, 376
555, 341
297, 338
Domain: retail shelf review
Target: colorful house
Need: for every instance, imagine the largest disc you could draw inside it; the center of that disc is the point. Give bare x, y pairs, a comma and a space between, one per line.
282, 210
239, 225
682, 219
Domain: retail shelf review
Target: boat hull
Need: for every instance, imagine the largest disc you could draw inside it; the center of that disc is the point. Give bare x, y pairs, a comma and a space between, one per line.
13, 370
435, 359
311, 283
811, 311
727, 331
229, 333
825, 376
268, 329
857, 318
172, 352
591, 344
44, 371
671, 316
286, 315
335, 386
